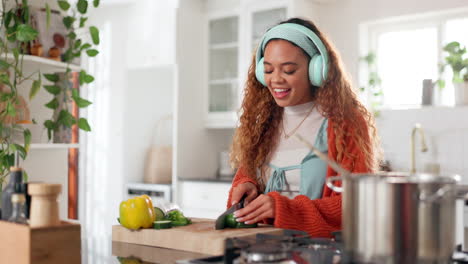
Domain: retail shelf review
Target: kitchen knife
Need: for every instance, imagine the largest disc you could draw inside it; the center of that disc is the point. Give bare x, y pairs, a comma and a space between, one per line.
220, 221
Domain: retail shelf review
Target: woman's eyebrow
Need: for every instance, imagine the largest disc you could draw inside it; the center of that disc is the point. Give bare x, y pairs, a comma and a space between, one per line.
284, 63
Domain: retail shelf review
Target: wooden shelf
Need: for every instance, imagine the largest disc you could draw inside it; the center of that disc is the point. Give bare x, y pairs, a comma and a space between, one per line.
45, 64
54, 146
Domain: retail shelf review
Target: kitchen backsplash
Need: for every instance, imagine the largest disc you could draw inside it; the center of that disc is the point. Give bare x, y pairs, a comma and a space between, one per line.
446, 131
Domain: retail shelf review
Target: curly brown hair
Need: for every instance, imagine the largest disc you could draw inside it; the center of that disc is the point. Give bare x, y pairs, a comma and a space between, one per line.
256, 137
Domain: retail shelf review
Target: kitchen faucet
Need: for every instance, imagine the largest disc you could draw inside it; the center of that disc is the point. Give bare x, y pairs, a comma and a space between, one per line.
417, 127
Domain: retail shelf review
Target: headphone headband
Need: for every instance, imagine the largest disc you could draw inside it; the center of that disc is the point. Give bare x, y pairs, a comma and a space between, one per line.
301, 36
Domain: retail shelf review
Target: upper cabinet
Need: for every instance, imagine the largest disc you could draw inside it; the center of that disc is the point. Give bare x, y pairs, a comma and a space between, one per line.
234, 30
223, 72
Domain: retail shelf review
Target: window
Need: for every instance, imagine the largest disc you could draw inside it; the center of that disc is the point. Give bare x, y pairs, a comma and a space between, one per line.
409, 50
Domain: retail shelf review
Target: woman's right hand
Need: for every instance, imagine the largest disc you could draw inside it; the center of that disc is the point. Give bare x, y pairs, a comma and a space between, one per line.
247, 188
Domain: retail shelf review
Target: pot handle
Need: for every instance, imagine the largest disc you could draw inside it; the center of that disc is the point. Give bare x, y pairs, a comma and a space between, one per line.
430, 198
329, 183
461, 192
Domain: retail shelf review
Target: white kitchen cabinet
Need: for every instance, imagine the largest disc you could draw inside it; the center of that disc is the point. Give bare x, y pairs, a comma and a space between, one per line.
203, 199
233, 35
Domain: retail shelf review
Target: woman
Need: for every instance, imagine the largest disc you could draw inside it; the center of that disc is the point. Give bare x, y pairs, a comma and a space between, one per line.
296, 85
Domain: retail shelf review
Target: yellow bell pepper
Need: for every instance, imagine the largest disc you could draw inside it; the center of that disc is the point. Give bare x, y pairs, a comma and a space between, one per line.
137, 213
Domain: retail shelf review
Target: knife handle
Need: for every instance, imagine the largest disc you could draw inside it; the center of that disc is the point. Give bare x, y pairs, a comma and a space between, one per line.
242, 200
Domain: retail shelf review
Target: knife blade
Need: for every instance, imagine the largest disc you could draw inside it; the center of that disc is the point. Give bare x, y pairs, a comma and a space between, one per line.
220, 221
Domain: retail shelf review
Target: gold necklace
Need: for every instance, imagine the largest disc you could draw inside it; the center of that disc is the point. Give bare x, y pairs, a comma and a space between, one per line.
286, 135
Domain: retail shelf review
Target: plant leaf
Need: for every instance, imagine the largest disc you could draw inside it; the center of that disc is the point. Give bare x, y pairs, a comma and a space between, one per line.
8, 18
68, 21
15, 53
11, 34
64, 5
50, 125
77, 44
75, 93
83, 124
21, 150
66, 118
85, 46
53, 89
4, 78
94, 35
26, 33
96, 3
4, 65
47, 16
82, 6
81, 103
92, 52
25, 176
83, 21
52, 104
10, 109
52, 77
27, 139
72, 35
88, 78
36, 85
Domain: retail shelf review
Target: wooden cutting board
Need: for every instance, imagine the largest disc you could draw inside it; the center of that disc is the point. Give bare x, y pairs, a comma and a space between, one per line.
200, 236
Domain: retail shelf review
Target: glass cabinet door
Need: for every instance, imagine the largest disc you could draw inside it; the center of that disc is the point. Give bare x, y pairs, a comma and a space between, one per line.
223, 59
263, 20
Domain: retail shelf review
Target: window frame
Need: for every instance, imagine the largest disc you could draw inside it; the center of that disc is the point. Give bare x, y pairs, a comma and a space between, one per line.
370, 31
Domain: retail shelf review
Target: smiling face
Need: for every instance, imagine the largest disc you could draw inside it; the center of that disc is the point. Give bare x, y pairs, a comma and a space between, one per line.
286, 73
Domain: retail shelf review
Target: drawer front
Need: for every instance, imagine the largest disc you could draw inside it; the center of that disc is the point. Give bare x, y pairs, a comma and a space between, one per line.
204, 198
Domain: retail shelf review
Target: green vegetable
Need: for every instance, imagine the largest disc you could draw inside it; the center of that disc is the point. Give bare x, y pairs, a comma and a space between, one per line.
160, 215
230, 221
177, 218
243, 225
164, 224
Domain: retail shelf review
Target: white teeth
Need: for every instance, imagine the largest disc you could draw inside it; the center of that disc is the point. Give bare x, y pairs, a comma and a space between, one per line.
280, 90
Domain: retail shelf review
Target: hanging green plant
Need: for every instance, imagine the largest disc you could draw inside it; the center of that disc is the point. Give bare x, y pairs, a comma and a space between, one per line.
16, 34
75, 20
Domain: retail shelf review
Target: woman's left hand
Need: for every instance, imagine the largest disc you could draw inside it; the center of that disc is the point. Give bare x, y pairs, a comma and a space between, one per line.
262, 207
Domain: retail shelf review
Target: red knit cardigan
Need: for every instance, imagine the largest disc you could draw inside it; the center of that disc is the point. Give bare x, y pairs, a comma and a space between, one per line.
317, 217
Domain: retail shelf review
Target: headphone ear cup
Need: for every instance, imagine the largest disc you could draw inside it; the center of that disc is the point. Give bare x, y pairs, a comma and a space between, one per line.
315, 70
260, 72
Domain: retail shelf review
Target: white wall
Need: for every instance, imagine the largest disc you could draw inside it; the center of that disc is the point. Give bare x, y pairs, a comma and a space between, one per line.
200, 160
340, 21
148, 98
130, 94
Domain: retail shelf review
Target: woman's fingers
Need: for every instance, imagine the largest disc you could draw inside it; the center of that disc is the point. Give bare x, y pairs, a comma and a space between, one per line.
248, 209
244, 188
251, 195
261, 208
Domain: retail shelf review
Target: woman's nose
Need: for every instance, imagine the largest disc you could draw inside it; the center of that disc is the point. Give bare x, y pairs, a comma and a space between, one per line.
276, 77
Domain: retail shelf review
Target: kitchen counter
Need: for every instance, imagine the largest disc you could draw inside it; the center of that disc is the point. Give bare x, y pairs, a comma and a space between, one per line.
146, 254
126, 253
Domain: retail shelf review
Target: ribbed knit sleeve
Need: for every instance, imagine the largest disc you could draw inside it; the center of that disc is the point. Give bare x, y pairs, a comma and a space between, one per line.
317, 217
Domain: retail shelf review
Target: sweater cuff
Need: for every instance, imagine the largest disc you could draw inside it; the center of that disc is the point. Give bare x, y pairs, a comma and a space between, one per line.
281, 210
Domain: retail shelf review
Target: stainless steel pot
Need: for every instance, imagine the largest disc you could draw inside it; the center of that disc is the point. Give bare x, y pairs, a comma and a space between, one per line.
398, 218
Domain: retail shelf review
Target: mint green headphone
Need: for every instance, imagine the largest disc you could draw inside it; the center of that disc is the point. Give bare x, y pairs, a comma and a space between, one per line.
307, 40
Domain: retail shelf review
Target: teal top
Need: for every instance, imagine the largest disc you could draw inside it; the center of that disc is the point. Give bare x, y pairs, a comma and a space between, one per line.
313, 169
